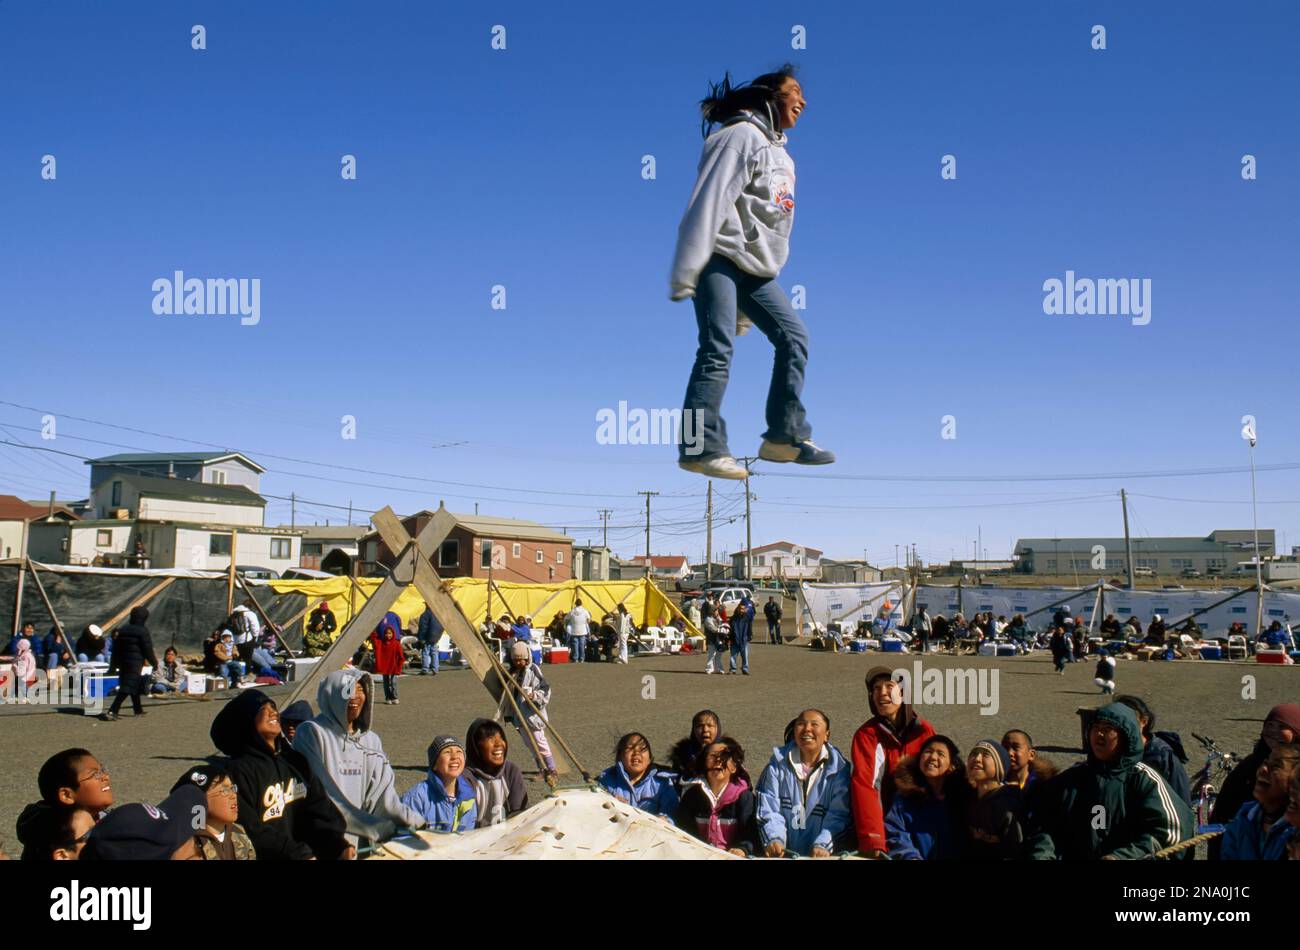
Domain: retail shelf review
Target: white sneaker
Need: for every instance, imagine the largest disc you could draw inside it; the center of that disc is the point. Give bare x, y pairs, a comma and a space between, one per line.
715, 466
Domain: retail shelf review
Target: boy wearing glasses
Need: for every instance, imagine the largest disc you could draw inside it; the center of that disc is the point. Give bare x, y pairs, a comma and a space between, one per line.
222, 837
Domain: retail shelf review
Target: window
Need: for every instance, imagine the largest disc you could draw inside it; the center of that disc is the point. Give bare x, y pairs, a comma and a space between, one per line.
219, 478
1180, 563
540, 557
559, 557
1050, 565
313, 547
449, 553
117, 495
104, 538
485, 554
1146, 562
514, 550
281, 549
219, 544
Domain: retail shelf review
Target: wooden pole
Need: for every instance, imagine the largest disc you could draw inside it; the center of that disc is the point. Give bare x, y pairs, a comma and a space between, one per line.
230, 576
153, 592
40, 589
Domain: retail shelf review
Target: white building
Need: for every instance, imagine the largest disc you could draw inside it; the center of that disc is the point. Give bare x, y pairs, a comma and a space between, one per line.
781, 560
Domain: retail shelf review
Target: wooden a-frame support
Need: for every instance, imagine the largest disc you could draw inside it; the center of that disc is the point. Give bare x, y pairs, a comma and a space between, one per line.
413, 567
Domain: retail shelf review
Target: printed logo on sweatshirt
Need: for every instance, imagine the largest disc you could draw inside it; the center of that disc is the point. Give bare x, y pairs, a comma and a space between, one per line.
277, 798
782, 195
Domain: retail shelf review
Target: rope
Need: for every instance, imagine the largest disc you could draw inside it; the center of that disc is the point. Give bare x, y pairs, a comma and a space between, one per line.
1184, 845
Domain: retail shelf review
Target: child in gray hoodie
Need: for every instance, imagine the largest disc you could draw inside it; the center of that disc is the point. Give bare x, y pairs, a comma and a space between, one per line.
348, 758
732, 242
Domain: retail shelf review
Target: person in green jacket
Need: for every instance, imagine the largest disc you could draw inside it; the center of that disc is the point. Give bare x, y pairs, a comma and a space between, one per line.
1113, 806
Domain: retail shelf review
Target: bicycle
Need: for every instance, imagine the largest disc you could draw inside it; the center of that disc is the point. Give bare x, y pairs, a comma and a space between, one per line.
1218, 763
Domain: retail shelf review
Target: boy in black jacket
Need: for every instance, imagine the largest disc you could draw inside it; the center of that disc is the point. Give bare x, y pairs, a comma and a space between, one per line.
132, 648
282, 805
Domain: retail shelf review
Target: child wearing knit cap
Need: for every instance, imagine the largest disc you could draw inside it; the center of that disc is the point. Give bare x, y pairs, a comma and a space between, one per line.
995, 817
446, 798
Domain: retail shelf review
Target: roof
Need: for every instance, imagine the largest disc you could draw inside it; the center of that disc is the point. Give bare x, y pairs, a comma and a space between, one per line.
194, 491
662, 560
326, 532
13, 508
784, 545
159, 458
497, 529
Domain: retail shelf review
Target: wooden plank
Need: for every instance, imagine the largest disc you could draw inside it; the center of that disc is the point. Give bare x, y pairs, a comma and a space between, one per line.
122, 614
40, 589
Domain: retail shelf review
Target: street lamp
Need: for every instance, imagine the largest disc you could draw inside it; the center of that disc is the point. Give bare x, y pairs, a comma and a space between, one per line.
1248, 433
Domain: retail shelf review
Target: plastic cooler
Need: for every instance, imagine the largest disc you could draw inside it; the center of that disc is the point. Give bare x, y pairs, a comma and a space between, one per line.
1211, 652
988, 649
557, 655
858, 646
891, 645
537, 654
1006, 649
1272, 656
98, 687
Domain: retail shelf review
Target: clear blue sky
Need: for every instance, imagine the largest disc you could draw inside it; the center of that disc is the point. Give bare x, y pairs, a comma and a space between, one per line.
523, 168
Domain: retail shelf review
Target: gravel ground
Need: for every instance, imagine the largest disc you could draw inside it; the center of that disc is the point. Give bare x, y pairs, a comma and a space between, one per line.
595, 703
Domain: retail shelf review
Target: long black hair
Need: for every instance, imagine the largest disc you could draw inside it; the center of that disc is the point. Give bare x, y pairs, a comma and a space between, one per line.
760, 94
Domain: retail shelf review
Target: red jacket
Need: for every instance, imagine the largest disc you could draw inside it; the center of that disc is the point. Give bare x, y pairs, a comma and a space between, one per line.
389, 658
876, 753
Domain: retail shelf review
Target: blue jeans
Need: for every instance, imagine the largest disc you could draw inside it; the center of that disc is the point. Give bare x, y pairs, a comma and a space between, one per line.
429, 656
741, 650
578, 649
262, 660
390, 686
231, 671
722, 289
98, 658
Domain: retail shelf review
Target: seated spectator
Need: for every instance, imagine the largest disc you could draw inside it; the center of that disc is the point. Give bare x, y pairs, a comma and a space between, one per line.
446, 799
893, 731
1113, 806
321, 625
521, 630
718, 807
1281, 727
28, 633
171, 676
283, 805
93, 646
53, 832
927, 821
636, 780
1110, 628
137, 832
346, 755
499, 789
1261, 832
685, 755
229, 666
995, 815
222, 838
262, 659
293, 716
1163, 751
803, 793
57, 651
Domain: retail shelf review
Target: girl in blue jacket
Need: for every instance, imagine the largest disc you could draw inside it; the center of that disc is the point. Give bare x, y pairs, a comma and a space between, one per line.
732, 242
635, 779
445, 798
927, 820
803, 793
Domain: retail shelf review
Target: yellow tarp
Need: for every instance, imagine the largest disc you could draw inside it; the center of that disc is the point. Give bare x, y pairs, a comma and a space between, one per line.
646, 603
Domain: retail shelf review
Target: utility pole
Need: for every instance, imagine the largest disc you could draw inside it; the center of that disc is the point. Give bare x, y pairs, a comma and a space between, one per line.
1128, 544
1249, 432
895, 555
349, 512
708, 537
749, 538
648, 495
604, 514
293, 510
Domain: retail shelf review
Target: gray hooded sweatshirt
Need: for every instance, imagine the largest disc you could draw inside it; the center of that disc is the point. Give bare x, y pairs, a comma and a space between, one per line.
351, 764
742, 206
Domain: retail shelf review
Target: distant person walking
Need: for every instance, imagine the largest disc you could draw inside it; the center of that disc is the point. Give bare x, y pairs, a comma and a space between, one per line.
578, 624
132, 648
772, 611
731, 244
